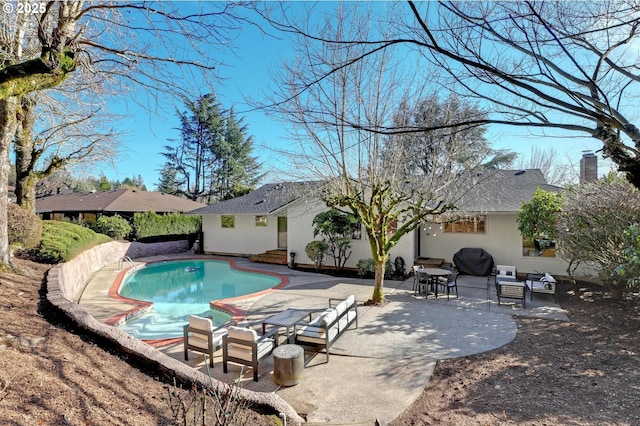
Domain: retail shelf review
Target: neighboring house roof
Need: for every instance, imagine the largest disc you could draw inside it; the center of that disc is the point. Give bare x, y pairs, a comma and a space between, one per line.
118, 200
265, 200
505, 190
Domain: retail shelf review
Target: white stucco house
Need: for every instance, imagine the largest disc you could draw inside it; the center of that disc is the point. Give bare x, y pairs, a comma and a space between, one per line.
279, 216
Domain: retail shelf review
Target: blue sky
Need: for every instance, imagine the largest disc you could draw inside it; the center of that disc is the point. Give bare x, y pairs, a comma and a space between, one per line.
247, 74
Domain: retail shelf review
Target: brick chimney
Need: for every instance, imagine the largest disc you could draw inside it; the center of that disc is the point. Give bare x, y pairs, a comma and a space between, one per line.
588, 167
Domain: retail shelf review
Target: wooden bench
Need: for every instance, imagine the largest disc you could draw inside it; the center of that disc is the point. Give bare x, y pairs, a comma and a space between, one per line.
323, 330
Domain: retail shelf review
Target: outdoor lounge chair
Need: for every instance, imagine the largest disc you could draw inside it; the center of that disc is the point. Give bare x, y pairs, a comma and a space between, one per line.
541, 284
201, 336
505, 273
244, 346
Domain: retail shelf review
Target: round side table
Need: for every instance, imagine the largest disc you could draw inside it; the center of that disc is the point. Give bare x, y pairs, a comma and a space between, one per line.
288, 365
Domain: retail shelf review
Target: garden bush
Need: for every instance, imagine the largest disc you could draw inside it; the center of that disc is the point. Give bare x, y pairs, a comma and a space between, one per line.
150, 224
24, 227
115, 226
62, 241
315, 251
367, 268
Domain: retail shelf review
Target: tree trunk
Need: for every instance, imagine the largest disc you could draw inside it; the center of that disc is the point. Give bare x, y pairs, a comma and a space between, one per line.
26, 191
8, 124
378, 288
615, 149
26, 179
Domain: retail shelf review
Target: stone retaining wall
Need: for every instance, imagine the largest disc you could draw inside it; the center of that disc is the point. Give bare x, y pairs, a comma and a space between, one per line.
66, 282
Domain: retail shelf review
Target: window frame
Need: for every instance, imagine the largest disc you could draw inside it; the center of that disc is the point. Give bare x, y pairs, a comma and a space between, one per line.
450, 227
261, 221
227, 221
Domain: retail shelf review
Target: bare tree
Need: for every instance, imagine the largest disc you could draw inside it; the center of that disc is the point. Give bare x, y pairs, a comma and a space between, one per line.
552, 65
338, 115
556, 170
69, 131
160, 47
566, 67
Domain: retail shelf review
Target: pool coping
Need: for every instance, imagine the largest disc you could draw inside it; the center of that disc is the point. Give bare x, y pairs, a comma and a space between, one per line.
225, 305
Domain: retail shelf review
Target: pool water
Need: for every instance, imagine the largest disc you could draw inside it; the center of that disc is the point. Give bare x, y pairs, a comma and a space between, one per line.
178, 289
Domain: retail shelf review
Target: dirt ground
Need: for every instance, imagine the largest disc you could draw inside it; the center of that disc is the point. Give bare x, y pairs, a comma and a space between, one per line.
51, 375
582, 372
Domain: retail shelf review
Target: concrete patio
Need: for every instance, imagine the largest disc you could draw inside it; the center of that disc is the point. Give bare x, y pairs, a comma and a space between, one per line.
377, 370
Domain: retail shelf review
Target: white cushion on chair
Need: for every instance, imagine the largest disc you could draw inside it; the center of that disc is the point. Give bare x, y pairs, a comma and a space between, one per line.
206, 325
265, 346
327, 317
239, 350
350, 300
548, 278
316, 334
200, 323
341, 307
244, 352
242, 333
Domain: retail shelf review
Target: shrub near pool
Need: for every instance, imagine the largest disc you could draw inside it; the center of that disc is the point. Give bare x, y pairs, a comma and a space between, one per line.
62, 241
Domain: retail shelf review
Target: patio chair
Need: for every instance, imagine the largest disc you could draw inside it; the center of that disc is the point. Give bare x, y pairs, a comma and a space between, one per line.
418, 278
423, 280
505, 273
244, 346
451, 282
201, 336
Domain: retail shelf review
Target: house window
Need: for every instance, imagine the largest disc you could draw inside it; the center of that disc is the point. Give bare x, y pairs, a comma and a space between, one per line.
538, 247
228, 221
261, 221
90, 217
467, 225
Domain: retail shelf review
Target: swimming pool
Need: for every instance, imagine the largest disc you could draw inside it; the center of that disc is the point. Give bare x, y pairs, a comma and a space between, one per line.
180, 288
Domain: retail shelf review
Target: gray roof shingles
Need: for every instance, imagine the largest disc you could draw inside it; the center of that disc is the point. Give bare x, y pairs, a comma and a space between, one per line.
505, 190
263, 201
119, 200
496, 191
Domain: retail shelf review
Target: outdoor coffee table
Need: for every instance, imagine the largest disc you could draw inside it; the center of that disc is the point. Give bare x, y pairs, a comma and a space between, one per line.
286, 318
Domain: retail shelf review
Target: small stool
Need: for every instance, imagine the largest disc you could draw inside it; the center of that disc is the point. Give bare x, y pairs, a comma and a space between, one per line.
288, 365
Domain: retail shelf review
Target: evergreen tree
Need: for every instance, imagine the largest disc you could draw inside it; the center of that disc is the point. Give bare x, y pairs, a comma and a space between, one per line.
104, 184
168, 180
212, 161
133, 182
236, 171
443, 118
201, 127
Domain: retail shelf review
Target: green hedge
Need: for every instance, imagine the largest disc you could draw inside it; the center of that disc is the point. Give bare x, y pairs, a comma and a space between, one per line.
115, 226
150, 224
62, 241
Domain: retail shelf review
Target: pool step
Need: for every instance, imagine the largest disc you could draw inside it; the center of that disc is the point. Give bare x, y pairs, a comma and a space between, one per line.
278, 257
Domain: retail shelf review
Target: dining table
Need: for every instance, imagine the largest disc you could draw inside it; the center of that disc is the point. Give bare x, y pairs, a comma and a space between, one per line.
432, 275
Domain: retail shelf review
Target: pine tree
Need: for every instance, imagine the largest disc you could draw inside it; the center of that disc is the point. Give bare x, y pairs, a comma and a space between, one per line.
168, 180
213, 160
236, 173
